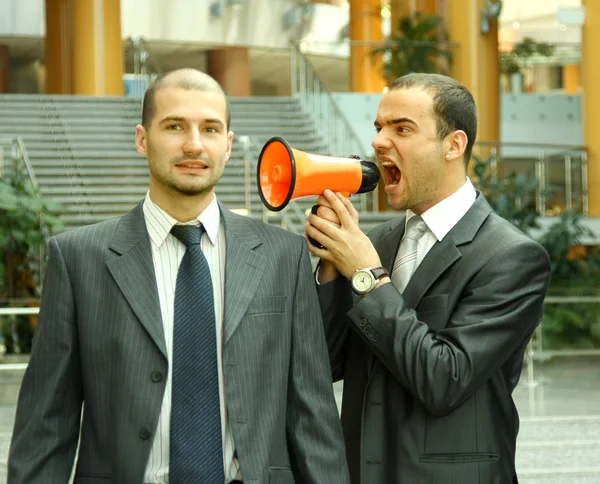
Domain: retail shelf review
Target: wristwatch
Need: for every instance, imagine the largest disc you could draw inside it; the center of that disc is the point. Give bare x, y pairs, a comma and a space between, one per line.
364, 281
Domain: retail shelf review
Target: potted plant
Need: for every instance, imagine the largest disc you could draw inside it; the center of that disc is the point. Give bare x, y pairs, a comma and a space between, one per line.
511, 63
26, 221
419, 44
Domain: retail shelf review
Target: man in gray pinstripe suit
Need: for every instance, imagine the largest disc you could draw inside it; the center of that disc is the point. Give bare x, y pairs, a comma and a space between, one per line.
104, 342
431, 355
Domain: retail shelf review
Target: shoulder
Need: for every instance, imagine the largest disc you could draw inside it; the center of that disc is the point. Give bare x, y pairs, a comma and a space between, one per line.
96, 234
505, 242
268, 234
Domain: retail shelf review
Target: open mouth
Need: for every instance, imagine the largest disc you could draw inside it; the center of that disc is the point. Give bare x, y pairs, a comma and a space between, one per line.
391, 173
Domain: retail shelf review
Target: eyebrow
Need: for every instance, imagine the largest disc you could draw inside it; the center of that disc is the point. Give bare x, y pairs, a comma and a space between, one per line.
180, 119
398, 121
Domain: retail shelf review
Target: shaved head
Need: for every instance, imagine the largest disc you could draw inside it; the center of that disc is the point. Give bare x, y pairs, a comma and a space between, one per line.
188, 79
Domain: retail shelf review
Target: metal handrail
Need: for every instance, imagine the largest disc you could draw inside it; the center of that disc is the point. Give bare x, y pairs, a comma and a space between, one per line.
542, 156
317, 101
26, 160
142, 59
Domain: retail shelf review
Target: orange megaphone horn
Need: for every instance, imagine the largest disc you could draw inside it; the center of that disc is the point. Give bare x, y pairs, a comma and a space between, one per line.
285, 174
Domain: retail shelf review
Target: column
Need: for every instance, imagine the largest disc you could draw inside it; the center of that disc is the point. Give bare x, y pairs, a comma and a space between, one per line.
401, 9
571, 74
114, 62
590, 70
230, 67
84, 47
58, 46
476, 63
366, 34
4, 69
428, 7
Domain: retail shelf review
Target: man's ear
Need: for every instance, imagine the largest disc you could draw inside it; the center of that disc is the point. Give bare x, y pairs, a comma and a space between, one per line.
140, 140
229, 144
457, 144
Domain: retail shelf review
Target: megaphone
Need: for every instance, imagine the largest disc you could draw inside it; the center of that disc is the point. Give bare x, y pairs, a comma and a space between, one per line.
285, 174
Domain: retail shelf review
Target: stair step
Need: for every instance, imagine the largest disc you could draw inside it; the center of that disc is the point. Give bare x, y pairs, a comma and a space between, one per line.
566, 475
548, 429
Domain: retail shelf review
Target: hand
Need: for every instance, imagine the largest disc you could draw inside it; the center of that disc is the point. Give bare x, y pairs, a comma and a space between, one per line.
344, 244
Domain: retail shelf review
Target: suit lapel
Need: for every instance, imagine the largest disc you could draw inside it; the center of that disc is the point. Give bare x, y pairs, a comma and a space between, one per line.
387, 245
443, 254
244, 268
133, 271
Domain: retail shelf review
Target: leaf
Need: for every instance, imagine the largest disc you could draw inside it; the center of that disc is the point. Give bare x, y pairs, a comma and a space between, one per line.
33, 204
8, 201
53, 205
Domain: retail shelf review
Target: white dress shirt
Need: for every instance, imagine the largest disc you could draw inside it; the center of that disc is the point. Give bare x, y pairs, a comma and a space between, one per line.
442, 217
167, 253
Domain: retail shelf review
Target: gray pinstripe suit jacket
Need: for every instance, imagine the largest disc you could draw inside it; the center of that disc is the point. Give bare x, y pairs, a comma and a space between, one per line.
100, 341
428, 374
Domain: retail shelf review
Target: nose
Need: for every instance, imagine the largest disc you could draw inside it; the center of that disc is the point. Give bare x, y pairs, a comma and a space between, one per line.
193, 143
380, 142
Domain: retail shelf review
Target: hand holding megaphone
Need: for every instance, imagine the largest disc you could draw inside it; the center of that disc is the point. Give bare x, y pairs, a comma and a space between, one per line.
285, 174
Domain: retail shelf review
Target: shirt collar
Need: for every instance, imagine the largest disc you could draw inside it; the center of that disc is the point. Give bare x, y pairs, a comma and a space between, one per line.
159, 223
443, 216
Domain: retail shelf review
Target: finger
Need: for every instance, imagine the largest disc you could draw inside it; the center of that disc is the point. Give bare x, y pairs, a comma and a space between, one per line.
319, 236
328, 214
328, 228
323, 201
350, 207
340, 209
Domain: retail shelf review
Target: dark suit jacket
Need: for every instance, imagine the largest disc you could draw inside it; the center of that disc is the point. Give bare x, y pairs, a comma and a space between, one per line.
428, 375
100, 341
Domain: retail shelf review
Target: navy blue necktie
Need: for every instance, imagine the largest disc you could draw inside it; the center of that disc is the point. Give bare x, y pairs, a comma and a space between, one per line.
196, 442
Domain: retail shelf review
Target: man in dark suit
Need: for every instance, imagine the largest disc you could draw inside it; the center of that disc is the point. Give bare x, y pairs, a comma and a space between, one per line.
431, 355
190, 335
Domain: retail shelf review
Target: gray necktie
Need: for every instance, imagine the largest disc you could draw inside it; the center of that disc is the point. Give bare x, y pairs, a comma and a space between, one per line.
406, 260
196, 454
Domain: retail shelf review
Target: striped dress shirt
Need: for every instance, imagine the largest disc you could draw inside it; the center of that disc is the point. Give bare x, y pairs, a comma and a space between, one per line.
167, 253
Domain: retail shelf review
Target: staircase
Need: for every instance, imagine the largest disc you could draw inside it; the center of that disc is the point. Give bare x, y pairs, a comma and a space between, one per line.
83, 149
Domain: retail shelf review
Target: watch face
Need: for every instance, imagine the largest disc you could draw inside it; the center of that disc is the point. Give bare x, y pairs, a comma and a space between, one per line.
362, 281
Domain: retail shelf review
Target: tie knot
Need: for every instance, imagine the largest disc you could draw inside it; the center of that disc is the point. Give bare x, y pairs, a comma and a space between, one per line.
188, 234
415, 228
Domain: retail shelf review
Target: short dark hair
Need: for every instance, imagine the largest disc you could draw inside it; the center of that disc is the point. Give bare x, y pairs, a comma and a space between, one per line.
185, 79
453, 104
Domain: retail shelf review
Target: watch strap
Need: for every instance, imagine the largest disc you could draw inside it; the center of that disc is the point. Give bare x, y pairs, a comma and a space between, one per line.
380, 272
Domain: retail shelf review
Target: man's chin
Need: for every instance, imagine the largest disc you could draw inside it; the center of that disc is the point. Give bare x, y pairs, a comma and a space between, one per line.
193, 190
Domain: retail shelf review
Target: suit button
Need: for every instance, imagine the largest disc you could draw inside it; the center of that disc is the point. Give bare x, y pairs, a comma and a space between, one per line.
145, 433
156, 376
367, 328
362, 322
375, 337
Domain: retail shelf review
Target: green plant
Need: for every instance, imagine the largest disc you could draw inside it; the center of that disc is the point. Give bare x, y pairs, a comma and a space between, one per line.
513, 61
575, 268
417, 45
16, 333
26, 219
512, 196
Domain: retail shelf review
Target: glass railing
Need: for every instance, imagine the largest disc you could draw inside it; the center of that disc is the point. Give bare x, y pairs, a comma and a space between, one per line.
144, 64
561, 172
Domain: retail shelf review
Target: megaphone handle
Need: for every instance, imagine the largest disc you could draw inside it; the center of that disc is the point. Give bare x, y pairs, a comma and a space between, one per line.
313, 210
